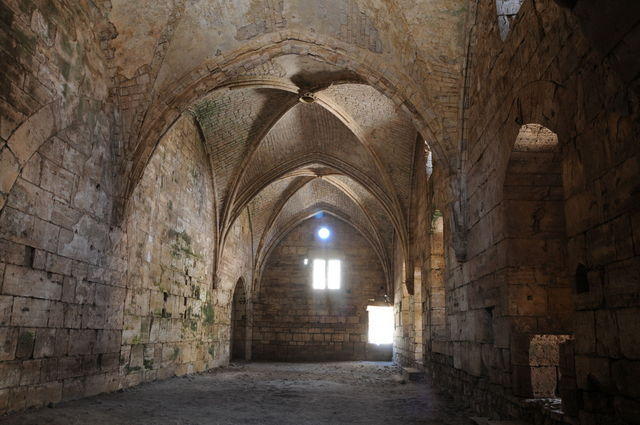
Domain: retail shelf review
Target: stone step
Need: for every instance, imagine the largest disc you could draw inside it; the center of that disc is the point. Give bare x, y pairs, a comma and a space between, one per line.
411, 374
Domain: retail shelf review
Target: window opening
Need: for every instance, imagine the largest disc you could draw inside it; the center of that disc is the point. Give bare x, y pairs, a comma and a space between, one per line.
380, 324
319, 274
326, 273
507, 12
324, 233
428, 159
333, 274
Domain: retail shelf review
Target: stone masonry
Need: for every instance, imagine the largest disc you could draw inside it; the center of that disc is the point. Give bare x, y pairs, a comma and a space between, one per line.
162, 162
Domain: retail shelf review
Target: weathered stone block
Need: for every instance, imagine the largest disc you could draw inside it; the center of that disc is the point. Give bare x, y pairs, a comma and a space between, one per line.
45, 343
607, 338
73, 388
629, 328
59, 265
108, 341
49, 371
57, 180
30, 372
15, 253
30, 312
6, 305
85, 292
45, 235
19, 398
31, 283
95, 384
9, 375
62, 342
72, 316
585, 341
30, 199
81, 341
70, 367
8, 343
68, 289
593, 373
56, 314
41, 395
110, 361
527, 300
17, 226
10, 169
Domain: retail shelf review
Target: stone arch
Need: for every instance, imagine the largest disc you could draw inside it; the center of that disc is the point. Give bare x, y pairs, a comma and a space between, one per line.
362, 280
327, 104
239, 335
397, 219
507, 11
307, 214
341, 168
537, 280
170, 103
29, 136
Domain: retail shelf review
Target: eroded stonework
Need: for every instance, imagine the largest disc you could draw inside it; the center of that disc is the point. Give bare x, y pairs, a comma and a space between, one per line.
157, 160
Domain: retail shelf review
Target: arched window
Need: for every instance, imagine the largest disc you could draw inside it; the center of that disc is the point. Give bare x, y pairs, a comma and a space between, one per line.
507, 11
428, 157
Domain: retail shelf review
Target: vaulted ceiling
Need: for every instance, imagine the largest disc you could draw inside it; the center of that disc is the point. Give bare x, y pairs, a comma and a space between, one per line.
303, 106
347, 150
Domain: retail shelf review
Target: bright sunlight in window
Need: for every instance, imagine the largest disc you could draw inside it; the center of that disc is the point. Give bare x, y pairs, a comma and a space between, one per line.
380, 324
333, 274
326, 274
324, 233
319, 274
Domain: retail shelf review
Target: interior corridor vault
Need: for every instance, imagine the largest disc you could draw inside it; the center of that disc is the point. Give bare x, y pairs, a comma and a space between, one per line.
189, 183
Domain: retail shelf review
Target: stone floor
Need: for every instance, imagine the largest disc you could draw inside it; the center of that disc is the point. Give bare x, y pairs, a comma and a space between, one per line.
265, 393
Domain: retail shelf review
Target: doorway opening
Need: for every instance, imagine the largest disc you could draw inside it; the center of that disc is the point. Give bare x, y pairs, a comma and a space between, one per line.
380, 325
239, 323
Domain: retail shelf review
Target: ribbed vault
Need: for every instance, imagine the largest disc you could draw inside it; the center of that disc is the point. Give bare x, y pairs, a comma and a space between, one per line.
349, 152
305, 196
230, 120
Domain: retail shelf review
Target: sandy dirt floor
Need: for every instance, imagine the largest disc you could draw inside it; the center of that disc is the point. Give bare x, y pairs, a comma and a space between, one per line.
264, 393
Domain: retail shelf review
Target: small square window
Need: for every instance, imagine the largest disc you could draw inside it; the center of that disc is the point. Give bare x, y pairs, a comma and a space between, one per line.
326, 273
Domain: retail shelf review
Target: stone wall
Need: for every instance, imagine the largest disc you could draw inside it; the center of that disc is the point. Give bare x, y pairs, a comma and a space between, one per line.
61, 289
404, 309
546, 72
168, 325
88, 306
507, 246
422, 322
235, 267
292, 321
